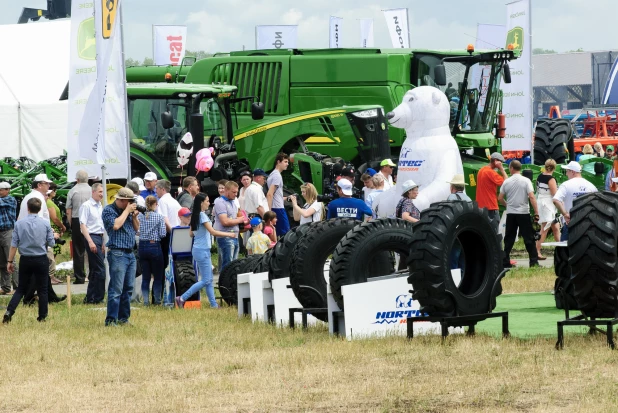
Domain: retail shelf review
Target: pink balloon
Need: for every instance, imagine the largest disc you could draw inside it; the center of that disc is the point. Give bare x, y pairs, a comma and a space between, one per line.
203, 159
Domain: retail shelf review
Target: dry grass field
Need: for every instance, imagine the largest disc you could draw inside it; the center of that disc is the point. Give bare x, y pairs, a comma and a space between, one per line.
209, 360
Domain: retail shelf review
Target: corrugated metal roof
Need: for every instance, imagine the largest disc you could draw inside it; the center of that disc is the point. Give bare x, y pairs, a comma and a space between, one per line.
561, 69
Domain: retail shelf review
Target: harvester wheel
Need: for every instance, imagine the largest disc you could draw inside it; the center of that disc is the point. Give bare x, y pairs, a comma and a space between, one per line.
185, 277
551, 138
593, 244
433, 240
112, 189
365, 252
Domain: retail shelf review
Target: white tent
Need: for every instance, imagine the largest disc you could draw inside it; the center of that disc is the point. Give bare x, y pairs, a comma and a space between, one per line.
34, 119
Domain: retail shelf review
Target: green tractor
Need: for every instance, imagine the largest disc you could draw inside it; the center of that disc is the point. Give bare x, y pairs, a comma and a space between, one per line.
160, 114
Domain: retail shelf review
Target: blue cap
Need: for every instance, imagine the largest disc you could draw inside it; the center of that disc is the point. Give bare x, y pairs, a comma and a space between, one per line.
255, 221
371, 171
259, 172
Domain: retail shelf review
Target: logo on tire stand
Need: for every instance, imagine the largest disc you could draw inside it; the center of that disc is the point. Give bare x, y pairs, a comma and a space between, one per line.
403, 304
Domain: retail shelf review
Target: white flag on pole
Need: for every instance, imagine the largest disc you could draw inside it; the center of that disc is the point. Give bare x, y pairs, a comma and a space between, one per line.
518, 94
366, 32
488, 36
276, 37
335, 32
398, 27
169, 44
96, 112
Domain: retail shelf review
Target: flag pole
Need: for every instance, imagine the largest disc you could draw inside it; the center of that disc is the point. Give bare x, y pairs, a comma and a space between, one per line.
124, 77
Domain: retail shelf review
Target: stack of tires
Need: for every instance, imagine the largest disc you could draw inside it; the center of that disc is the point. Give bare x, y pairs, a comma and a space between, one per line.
593, 253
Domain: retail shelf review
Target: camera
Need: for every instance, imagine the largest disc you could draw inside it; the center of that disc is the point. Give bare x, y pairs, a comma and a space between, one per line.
292, 195
139, 208
61, 241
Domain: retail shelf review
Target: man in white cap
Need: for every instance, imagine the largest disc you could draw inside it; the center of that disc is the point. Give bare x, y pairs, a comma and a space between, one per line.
8, 215
487, 183
150, 180
458, 187
386, 170
568, 191
345, 206
40, 186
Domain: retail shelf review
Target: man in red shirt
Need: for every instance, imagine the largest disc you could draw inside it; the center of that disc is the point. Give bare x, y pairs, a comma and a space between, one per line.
488, 180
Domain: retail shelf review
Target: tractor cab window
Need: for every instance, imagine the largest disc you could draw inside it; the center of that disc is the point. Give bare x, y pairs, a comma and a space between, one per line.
146, 130
476, 104
215, 120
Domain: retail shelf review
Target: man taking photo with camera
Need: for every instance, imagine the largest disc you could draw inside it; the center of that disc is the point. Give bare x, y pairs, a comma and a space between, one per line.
121, 224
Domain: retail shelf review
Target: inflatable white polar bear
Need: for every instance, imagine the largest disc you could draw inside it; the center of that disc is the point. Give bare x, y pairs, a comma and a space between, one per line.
429, 156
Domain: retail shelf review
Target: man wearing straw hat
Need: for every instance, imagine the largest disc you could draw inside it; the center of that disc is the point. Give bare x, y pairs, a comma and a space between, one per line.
458, 186
121, 224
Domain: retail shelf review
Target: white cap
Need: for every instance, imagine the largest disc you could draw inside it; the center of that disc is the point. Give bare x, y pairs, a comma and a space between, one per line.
42, 178
407, 185
140, 183
615, 180
5, 185
573, 166
346, 186
150, 176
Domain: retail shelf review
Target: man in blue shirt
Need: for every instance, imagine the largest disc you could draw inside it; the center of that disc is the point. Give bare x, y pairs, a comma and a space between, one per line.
346, 206
8, 215
31, 236
121, 224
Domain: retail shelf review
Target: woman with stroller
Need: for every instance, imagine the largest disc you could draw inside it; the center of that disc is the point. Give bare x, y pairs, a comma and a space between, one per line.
201, 231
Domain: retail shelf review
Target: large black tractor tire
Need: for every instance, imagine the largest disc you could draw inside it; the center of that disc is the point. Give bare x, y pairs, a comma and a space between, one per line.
309, 256
264, 262
593, 253
563, 287
185, 277
281, 257
430, 255
551, 139
364, 253
228, 279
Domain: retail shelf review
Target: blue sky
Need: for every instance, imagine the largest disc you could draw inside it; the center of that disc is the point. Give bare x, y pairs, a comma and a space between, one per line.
217, 26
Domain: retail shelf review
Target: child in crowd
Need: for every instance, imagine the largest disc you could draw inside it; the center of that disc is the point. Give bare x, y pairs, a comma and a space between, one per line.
184, 214
270, 220
201, 230
258, 242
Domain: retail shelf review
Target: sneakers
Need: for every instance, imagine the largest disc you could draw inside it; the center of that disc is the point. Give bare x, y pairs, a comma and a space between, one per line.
179, 302
7, 318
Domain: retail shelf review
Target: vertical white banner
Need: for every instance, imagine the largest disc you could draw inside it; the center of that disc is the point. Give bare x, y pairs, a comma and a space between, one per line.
398, 27
276, 37
169, 44
335, 25
366, 32
518, 94
96, 111
488, 36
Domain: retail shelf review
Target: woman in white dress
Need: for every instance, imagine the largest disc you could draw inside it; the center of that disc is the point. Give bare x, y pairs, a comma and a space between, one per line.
546, 188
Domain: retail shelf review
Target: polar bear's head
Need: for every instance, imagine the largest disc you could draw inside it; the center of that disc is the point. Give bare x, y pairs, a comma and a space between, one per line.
424, 107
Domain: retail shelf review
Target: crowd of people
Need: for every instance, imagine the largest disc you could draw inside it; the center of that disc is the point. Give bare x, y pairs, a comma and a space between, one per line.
250, 216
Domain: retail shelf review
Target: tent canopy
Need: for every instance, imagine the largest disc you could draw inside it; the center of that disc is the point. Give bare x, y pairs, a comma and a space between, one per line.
30, 88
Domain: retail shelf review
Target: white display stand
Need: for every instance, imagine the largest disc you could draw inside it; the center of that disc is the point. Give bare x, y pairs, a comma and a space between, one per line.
243, 292
380, 307
261, 294
555, 244
336, 319
285, 299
